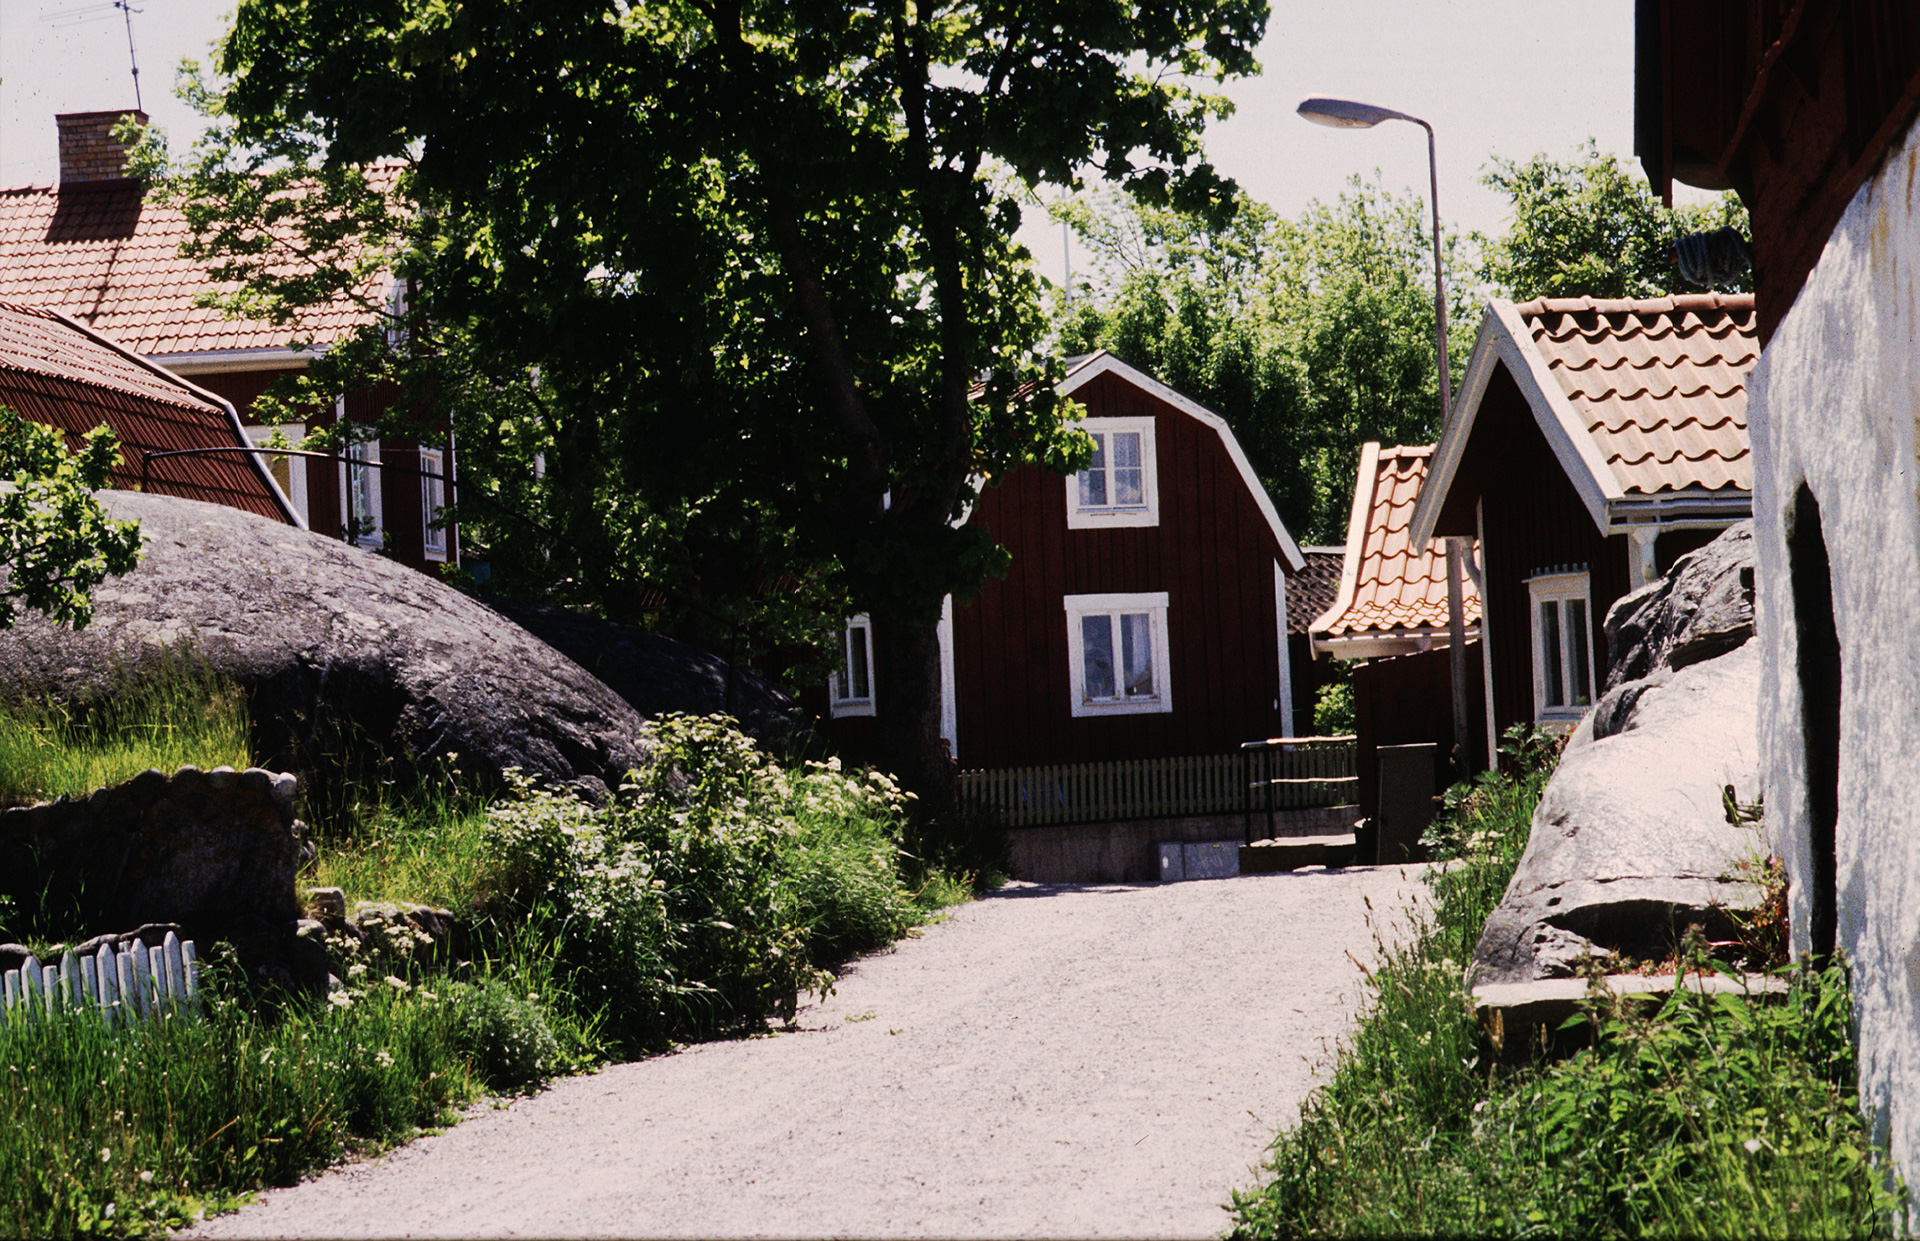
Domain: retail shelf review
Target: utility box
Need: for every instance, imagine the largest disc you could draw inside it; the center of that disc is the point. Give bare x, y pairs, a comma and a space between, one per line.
1406, 799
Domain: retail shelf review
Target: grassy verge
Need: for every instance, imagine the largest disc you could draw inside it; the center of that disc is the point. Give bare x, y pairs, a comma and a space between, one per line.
1709, 1117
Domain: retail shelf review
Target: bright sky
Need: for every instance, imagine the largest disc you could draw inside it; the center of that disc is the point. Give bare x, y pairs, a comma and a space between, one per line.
1494, 77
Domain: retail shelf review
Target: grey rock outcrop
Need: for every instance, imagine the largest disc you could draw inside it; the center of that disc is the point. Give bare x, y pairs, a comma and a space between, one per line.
656, 674
1630, 843
349, 659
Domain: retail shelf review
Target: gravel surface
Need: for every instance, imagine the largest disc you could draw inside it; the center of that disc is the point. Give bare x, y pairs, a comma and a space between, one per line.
1052, 1061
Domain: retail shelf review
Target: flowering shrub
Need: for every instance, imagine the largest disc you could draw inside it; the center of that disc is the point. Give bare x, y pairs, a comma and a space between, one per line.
712, 890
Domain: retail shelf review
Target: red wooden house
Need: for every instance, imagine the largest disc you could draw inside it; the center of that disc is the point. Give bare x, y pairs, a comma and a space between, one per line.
60, 373
94, 248
1592, 444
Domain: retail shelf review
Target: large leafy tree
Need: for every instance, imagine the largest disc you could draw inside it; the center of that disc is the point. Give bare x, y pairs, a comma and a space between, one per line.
746, 266
56, 542
1310, 336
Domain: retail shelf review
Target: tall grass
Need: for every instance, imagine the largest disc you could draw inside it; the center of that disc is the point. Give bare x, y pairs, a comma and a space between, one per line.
1710, 1117
428, 850
177, 712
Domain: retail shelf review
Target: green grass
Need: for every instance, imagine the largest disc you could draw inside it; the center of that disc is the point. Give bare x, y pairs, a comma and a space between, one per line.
424, 850
1709, 1117
183, 714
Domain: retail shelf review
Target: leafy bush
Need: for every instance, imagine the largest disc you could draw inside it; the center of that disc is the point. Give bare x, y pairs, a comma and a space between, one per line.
505, 1032
712, 890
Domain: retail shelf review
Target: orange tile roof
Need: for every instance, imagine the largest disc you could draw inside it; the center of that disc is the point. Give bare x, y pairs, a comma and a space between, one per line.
98, 252
1660, 384
1387, 587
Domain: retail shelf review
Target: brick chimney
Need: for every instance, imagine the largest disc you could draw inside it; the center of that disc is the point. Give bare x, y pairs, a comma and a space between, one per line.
88, 150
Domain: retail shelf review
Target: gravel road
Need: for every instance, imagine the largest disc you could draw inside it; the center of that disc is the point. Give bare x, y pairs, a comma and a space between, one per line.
1052, 1061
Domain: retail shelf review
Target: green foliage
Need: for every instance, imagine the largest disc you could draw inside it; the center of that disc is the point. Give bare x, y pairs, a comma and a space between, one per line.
1333, 714
712, 892
1714, 1116
1309, 336
181, 712
505, 1032
56, 542
1590, 227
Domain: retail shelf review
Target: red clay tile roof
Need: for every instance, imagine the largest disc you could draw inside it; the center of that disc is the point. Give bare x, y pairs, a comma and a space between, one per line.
1313, 590
99, 253
55, 372
1387, 588
1660, 384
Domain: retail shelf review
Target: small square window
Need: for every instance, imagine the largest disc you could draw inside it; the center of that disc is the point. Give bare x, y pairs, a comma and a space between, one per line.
1117, 651
1119, 487
851, 691
1562, 650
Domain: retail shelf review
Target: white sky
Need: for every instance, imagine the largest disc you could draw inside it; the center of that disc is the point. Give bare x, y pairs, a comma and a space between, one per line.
1494, 77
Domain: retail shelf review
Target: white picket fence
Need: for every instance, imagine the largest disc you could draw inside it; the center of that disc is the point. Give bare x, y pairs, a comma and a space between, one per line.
134, 983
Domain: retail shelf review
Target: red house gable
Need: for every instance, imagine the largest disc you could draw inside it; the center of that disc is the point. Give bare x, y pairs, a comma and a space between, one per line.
1144, 615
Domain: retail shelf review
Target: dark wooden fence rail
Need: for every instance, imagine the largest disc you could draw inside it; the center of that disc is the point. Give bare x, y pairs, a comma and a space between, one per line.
1285, 773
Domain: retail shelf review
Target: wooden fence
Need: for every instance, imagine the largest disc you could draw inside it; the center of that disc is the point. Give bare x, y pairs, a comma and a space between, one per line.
1283, 774
122, 986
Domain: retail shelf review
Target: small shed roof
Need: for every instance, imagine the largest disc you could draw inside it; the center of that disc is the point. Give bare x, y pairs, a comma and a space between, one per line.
60, 373
1392, 595
1644, 402
1314, 589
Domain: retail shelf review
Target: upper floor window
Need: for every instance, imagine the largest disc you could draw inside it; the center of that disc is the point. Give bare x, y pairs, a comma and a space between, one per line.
1562, 650
1120, 486
360, 485
851, 692
1117, 654
433, 503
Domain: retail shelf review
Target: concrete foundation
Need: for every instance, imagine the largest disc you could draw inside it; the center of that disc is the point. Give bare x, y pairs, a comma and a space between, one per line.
1129, 852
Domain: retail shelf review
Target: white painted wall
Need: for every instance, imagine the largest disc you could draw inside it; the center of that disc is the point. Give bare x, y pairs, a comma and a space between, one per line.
1834, 402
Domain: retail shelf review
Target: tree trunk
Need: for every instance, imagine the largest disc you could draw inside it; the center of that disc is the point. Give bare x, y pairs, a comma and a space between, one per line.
907, 708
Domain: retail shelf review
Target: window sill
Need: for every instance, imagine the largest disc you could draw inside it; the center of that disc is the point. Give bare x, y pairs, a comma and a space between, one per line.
1159, 705
852, 707
1110, 518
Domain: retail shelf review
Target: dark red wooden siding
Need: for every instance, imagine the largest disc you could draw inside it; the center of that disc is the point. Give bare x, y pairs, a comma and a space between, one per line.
1406, 700
1534, 520
1213, 553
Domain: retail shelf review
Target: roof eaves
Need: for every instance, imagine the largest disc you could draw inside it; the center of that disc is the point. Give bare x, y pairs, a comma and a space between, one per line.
1365, 483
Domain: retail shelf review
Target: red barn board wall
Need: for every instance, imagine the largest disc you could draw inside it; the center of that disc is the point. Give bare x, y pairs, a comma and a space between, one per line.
1212, 552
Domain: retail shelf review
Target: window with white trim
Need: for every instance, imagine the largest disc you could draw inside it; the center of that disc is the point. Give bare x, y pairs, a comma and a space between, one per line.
851, 690
1117, 654
433, 503
1120, 486
289, 472
360, 487
1562, 646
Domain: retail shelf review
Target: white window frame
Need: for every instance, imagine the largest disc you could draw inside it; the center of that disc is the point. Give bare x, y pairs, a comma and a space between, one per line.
1103, 516
851, 703
433, 500
370, 505
1078, 608
296, 485
1561, 589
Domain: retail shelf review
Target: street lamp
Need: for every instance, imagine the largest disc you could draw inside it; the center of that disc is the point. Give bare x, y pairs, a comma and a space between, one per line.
1347, 114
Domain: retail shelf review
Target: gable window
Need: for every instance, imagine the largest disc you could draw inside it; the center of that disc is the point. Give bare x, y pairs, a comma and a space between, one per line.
1117, 654
433, 502
1120, 486
1562, 650
852, 689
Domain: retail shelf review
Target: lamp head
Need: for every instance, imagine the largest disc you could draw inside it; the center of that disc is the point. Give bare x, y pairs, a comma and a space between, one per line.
1346, 114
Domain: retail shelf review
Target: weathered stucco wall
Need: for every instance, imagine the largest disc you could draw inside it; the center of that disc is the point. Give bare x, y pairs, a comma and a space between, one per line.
1835, 400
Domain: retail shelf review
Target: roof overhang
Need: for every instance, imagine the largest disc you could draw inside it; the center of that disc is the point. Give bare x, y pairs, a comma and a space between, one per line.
1377, 644
1103, 363
1356, 544
228, 361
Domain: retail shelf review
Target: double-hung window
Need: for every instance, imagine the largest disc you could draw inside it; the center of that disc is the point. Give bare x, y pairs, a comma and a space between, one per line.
1120, 486
360, 481
851, 692
1117, 654
1562, 648
433, 503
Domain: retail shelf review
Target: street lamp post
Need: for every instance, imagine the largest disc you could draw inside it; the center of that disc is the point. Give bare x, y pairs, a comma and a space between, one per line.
1346, 114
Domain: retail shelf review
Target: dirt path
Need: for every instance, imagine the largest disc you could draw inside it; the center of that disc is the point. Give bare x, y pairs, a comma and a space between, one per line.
1052, 1061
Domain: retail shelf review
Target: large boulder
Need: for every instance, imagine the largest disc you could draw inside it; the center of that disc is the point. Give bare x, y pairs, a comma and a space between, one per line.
351, 661
1632, 842
655, 674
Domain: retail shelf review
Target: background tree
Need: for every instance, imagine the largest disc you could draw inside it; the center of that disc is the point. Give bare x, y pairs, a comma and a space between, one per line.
1309, 336
1589, 227
741, 273
56, 542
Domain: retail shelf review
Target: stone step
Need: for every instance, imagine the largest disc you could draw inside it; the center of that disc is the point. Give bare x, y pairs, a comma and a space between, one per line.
1517, 1015
1266, 857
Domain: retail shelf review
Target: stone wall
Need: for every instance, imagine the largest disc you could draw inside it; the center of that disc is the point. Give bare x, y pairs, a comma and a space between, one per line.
1833, 409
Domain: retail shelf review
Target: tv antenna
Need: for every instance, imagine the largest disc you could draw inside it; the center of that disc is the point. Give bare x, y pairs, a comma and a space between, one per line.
98, 12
